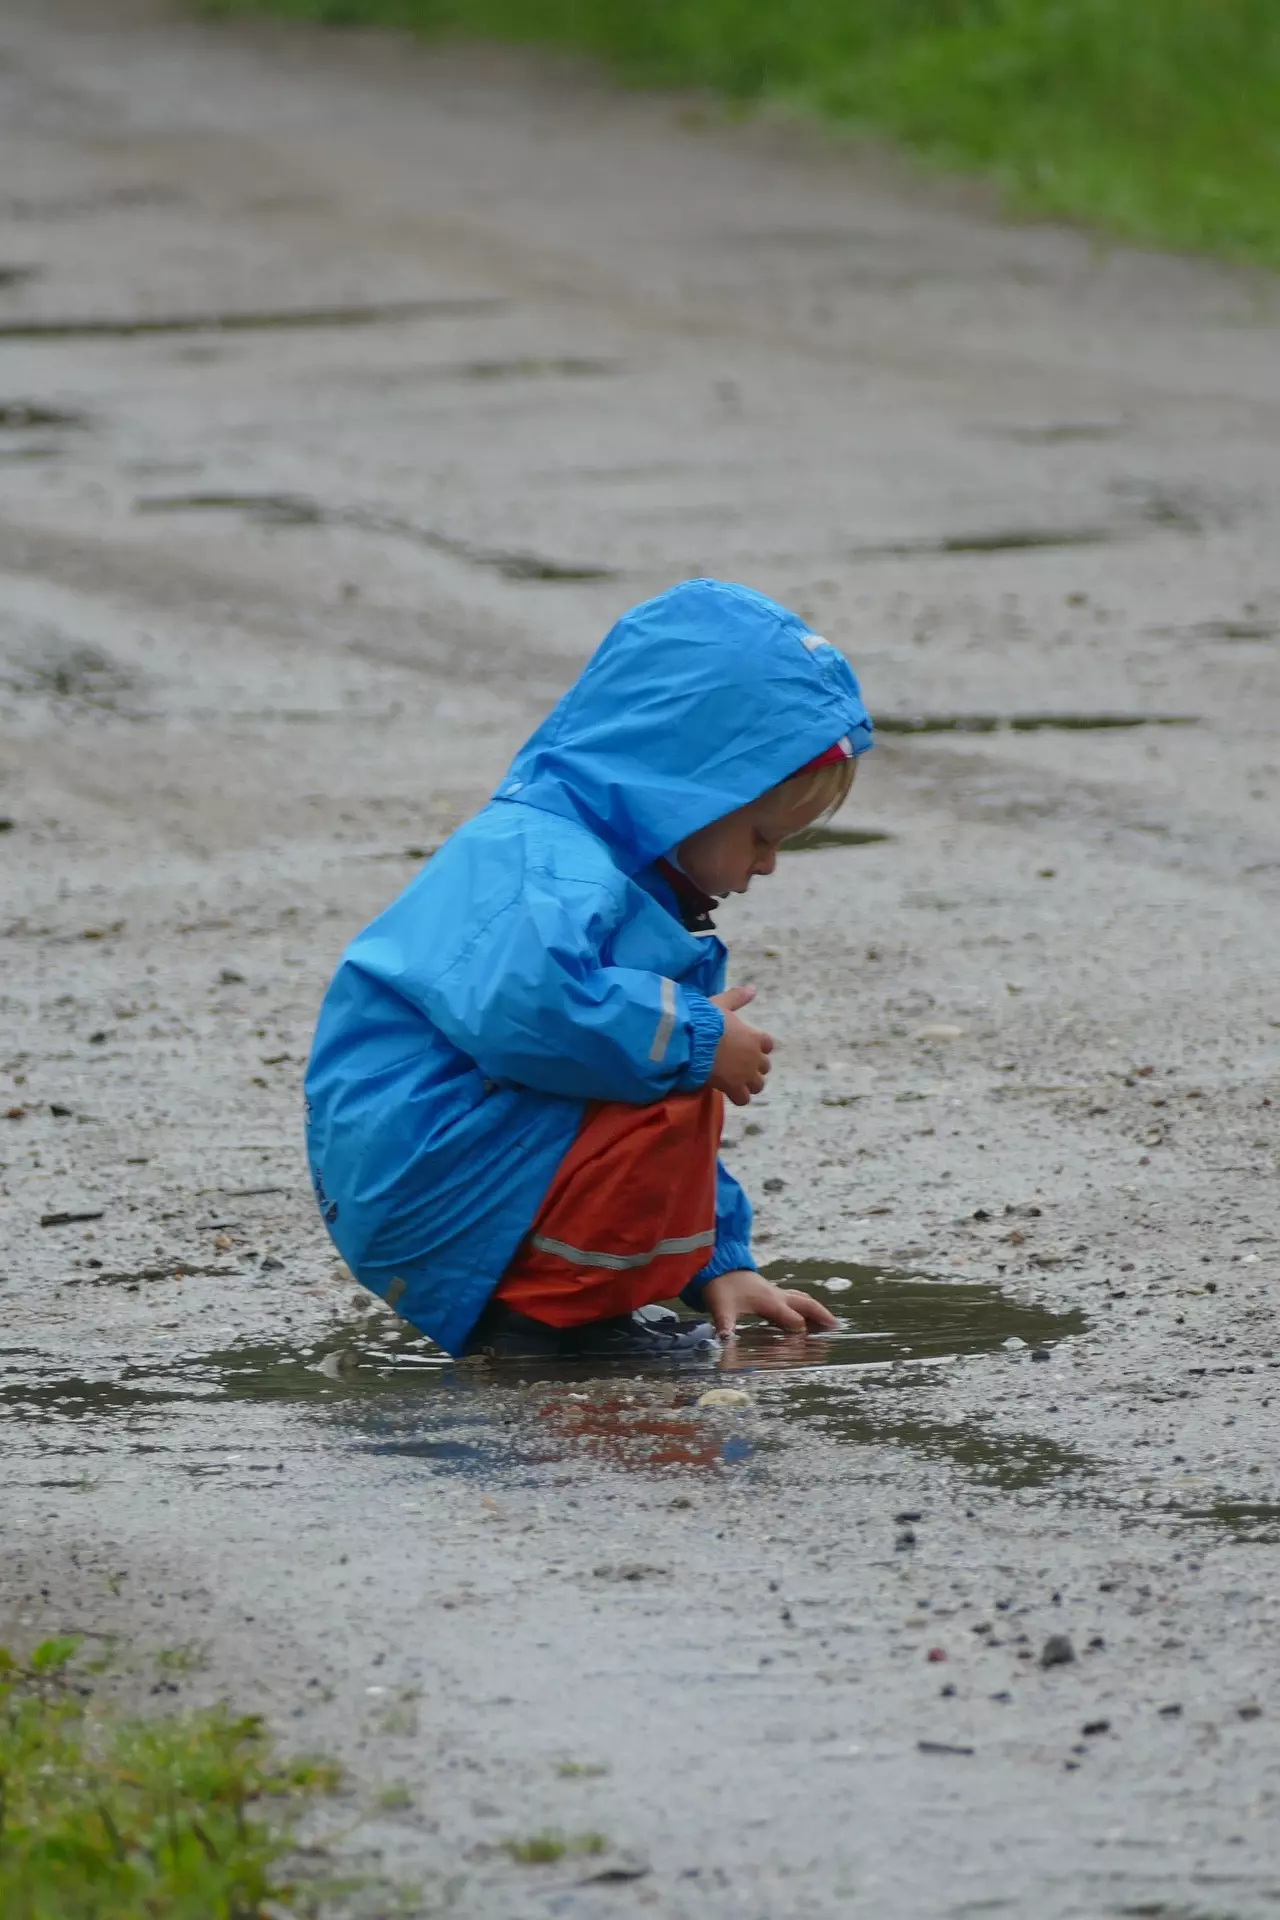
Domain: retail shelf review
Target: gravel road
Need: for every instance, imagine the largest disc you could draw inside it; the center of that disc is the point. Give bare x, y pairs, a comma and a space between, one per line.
347, 392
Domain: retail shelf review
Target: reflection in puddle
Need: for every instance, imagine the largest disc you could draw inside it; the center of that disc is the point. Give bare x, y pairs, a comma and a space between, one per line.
388, 1391
888, 1317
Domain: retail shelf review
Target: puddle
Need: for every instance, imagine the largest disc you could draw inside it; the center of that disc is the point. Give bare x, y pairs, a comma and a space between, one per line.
1029, 722
1058, 432
889, 1317
813, 839
28, 416
247, 321
1256, 1521
286, 510
1235, 630
560, 367
999, 540
380, 1387
872, 1415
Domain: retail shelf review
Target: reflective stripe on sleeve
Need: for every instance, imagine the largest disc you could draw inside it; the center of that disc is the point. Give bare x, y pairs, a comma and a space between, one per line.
622, 1262
666, 1022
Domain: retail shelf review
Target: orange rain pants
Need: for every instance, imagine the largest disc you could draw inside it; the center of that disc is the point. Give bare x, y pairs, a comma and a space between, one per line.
630, 1216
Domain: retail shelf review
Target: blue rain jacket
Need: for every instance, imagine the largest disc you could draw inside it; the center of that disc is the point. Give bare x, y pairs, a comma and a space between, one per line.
539, 962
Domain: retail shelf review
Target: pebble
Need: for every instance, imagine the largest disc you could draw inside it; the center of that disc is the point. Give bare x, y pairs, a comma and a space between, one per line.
775, 1185
939, 1031
724, 1397
836, 1285
1013, 1344
1057, 1651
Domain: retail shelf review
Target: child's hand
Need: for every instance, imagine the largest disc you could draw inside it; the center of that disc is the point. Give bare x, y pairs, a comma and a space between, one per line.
732, 1294
742, 1056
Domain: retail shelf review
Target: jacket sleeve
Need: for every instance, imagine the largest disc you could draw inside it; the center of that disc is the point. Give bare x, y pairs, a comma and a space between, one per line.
529, 1001
733, 1236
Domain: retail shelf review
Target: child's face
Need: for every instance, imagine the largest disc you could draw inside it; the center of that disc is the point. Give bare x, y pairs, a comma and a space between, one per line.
726, 856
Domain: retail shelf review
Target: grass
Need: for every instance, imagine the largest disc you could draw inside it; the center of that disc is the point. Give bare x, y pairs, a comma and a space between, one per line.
186, 1817
1156, 120
543, 1849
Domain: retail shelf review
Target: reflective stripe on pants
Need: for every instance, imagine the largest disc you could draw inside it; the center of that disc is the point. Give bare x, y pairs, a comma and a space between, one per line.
629, 1217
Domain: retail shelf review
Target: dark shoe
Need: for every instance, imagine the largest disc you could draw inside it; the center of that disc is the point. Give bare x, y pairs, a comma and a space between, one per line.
651, 1333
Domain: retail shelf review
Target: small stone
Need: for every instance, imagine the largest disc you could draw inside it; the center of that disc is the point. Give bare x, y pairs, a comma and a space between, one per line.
336, 1366
228, 977
938, 1032
724, 1397
1092, 1727
837, 1284
1172, 1711
270, 1264
1250, 1710
222, 1242
905, 1540
1041, 1353
935, 1656
1057, 1651
1013, 1344
774, 1185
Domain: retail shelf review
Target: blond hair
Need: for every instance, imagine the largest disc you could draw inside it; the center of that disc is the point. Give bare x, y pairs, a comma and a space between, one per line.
815, 794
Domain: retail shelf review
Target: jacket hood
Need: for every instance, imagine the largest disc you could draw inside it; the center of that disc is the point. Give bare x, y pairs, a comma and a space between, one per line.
695, 703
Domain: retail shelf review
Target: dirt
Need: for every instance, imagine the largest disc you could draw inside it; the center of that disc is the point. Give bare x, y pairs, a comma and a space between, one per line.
526, 351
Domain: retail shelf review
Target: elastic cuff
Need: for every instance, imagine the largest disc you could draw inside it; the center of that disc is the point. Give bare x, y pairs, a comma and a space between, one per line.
730, 1256
706, 1024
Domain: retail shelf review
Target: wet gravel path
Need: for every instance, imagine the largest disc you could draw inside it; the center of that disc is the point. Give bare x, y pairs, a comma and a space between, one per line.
346, 393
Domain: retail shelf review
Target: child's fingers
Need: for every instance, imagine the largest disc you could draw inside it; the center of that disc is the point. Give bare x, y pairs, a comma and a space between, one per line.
726, 1323
811, 1310
733, 998
782, 1313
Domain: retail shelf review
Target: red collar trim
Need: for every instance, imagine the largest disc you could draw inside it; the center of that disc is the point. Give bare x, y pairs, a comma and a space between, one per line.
694, 904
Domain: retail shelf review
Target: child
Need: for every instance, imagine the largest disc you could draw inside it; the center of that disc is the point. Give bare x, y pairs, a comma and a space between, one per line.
517, 1084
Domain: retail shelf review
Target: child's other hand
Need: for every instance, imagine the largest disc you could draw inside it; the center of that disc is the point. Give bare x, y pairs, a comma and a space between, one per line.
739, 1292
742, 1056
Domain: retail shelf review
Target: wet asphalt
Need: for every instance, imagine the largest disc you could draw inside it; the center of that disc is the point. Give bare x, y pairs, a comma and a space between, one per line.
347, 392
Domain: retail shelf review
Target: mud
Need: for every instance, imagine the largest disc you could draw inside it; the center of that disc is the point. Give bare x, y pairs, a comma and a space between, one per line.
426, 363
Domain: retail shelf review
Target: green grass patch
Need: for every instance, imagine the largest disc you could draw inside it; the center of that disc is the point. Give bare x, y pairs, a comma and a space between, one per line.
1156, 120
543, 1849
102, 1817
